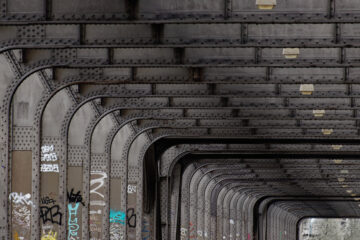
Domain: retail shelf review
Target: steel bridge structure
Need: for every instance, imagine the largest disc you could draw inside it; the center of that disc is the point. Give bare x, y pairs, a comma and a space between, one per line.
177, 119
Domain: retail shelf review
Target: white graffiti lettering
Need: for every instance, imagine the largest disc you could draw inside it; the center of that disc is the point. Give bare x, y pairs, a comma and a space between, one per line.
97, 203
94, 227
47, 148
131, 189
21, 216
95, 212
49, 157
47, 227
115, 232
19, 198
49, 168
183, 231
99, 181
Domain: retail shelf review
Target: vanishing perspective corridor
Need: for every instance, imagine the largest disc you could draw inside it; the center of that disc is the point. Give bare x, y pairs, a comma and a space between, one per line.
179, 119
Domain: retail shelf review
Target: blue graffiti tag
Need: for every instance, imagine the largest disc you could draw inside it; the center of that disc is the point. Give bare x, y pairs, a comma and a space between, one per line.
117, 217
145, 230
73, 220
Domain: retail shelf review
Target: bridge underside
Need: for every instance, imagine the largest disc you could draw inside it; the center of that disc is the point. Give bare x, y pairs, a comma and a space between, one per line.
177, 119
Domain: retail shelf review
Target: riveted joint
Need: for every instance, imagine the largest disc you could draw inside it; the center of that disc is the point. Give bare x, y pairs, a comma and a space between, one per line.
228, 9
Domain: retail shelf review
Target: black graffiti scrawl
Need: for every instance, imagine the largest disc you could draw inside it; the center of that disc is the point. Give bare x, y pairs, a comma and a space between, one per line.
75, 197
51, 214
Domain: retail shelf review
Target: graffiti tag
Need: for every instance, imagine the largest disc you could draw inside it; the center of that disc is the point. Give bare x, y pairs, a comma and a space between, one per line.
131, 189
49, 167
19, 198
98, 183
49, 236
145, 230
73, 220
120, 217
51, 214
47, 200
117, 217
21, 216
75, 198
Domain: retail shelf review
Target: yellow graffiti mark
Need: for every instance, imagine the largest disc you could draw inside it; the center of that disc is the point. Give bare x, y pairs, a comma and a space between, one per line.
16, 236
50, 236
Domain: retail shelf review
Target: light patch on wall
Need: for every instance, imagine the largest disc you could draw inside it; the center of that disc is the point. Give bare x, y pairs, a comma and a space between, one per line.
266, 4
291, 53
338, 161
327, 131
307, 89
341, 179
22, 110
318, 113
336, 147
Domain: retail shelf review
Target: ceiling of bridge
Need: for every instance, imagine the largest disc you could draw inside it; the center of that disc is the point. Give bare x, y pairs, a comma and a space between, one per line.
231, 98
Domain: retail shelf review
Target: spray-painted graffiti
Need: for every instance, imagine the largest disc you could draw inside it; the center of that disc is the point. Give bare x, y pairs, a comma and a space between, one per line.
117, 217
48, 155
47, 149
95, 212
51, 214
73, 221
47, 200
120, 217
131, 218
199, 234
49, 168
183, 233
21, 216
17, 237
192, 232
95, 223
115, 232
51, 235
145, 230
75, 198
131, 189
97, 203
99, 182
19, 198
